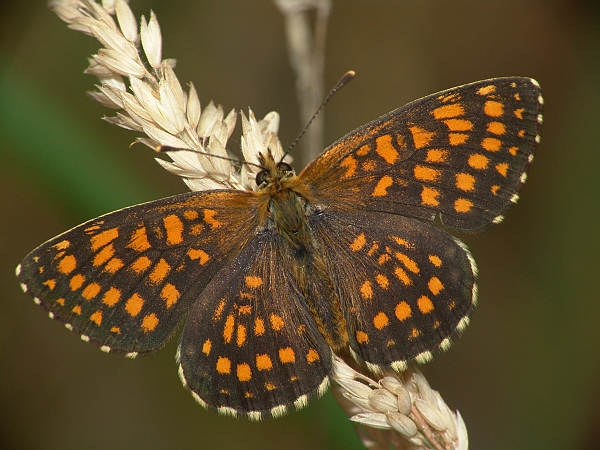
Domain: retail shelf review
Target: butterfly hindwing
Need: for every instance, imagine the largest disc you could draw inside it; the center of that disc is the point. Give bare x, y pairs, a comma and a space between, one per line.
250, 346
462, 153
125, 280
406, 287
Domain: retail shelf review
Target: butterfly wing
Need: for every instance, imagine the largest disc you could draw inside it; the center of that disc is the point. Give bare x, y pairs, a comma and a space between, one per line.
405, 286
250, 346
126, 279
461, 153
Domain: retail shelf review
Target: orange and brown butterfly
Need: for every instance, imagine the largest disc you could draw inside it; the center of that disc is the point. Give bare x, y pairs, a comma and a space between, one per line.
272, 282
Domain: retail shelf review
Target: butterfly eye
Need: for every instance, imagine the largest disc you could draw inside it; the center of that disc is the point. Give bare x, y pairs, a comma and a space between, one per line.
284, 167
261, 177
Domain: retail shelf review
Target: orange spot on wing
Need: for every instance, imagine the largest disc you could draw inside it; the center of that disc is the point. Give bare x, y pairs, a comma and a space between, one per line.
287, 355
50, 284
103, 255
76, 282
421, 137
502, 169
263, 362
425, 305
77, 310
174, 229
139, 240
141, 264
364, 150
228, 328
209, 218
198, 254
402, 276
150, 322
383, 259
493, 108
382, 281
259, 327
254, 282
429, 196
519, 113
223, 365
465, 181
196, 229
381, 188
436, 156
350, 164
425, 173
459, 124
96, 318
409, 263
358, 243
362, 337
62, 245
90, 291
385, 149
169, 294
312, 356
244, 373
219, 310
366, 290
134, 305
111, 297
160, 271
402, 311
491, 144
457, 138
486, 90
477, 161
435, 260
245, 309
381, 320
113, 265
462, 205
448, 111
495, 188
400, 241
240, 337
206, 347
435, 285
277, 322
67, 264
190, 214
496, 128
368, 166
101, 239
513, 150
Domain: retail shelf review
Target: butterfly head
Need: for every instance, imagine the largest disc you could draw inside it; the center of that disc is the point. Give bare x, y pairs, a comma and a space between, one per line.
273, 173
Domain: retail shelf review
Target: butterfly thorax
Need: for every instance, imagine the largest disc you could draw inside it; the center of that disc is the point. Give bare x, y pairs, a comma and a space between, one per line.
282, 203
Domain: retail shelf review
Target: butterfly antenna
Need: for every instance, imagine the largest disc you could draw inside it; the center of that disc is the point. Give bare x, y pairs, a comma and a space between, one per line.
165, 149
347, 77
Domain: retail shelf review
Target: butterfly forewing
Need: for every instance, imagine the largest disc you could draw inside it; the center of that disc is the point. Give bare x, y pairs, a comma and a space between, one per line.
406, 286
250, 346
462, 153
126, 279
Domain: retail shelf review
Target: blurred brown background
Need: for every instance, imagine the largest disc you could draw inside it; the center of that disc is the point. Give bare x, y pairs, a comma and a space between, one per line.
525, 374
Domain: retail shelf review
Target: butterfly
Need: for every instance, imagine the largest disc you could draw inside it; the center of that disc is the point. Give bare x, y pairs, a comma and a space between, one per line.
270, 284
